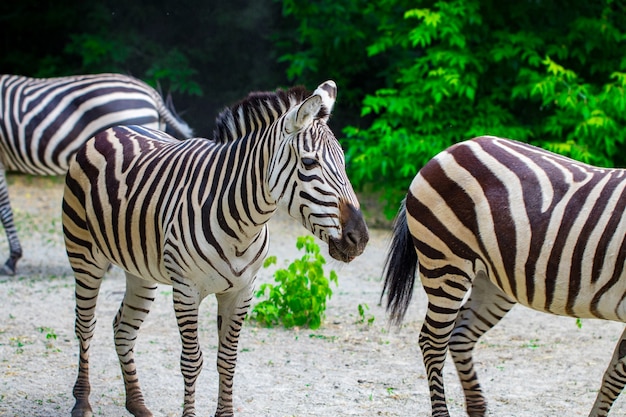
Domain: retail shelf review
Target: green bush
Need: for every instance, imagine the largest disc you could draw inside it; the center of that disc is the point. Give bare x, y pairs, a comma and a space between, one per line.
299, 296
540, 72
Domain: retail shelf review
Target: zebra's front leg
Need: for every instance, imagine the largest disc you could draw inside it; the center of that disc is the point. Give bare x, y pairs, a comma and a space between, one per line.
6, 217
445, 297
484, 309
232, 310
187, 300
134, 308
613, 381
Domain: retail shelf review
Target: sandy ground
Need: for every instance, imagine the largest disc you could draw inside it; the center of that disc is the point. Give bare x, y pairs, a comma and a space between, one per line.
532, 364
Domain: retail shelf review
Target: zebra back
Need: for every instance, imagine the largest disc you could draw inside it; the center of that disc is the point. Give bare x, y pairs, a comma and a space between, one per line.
44, 121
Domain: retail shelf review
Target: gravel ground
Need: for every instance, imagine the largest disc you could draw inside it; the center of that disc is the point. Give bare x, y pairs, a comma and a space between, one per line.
531, 364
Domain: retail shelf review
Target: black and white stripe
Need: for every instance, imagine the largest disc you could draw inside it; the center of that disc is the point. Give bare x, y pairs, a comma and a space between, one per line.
193, 215
515, 224
43, 121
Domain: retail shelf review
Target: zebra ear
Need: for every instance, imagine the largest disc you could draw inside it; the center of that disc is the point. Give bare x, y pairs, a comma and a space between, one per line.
320, 104
328, 92
303, 114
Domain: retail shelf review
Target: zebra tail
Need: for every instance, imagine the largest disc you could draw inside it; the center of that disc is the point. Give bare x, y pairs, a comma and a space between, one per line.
168, 112
399, 269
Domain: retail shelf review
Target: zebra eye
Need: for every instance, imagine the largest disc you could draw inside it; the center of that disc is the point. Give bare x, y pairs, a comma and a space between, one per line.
310, 163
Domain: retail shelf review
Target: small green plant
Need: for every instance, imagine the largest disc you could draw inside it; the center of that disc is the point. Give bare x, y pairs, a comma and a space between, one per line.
19, 342
579, 323
51, 336
532, 344
299, 296
362, 317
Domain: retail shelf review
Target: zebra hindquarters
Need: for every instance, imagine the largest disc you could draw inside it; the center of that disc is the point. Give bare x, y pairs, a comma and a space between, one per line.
447, 274
613, 381
89, 267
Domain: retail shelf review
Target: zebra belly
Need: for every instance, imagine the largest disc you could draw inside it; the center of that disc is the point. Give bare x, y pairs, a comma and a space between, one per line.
202, 276
208, 269
574, 296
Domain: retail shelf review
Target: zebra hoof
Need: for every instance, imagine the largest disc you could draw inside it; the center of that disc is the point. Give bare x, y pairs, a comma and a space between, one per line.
8, 268
82, 411
139, 410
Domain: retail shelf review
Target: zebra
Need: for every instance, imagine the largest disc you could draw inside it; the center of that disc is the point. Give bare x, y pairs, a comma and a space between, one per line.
513, 223
193, 214
43, 121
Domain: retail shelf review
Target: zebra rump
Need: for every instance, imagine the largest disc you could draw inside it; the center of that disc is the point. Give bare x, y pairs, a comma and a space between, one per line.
492, 222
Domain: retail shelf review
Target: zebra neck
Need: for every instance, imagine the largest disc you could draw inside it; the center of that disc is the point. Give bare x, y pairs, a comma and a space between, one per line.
240, 199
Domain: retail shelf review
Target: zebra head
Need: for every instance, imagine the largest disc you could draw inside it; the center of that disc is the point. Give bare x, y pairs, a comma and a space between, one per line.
309, 177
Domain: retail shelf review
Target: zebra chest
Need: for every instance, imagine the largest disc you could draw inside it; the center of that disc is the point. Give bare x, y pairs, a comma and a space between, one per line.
215, 268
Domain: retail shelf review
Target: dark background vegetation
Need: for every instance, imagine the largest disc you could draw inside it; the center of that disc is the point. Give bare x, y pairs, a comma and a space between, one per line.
209, 54
414, 76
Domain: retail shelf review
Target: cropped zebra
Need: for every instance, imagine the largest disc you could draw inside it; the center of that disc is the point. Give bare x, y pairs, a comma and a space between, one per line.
515, 224
43, 121
193, 215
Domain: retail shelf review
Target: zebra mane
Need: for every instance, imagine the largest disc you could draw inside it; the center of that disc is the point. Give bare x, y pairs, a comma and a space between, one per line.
266, 107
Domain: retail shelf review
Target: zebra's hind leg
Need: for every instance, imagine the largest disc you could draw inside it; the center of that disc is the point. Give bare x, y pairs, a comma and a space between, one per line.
88, 280
613, 381
187, 300
485, 307
89, 266
6, 217
232, 310
445, 297
134, 308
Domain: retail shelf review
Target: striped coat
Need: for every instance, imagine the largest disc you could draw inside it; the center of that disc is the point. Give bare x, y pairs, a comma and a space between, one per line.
194, 215
514, 224
44, 121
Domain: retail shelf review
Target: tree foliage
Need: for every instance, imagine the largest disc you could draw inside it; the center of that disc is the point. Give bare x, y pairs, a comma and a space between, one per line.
549, 73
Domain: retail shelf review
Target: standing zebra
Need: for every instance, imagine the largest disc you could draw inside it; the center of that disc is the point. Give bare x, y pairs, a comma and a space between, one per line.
513, 223
193, 215
43, 121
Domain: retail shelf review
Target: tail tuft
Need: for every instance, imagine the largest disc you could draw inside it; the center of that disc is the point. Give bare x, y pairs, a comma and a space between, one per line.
399, 269
174, 121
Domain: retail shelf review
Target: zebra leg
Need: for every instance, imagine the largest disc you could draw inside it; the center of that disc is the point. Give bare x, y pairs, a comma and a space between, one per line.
6, 217
445, 297
232, 310
89, 265
613, 381
186, 304
134, 308
88, 280
485, 307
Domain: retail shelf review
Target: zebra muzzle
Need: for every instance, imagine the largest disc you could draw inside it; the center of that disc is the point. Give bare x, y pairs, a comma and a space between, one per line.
354, 236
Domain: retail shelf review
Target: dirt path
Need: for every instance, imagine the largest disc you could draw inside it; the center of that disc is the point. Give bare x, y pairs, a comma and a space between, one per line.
532, 364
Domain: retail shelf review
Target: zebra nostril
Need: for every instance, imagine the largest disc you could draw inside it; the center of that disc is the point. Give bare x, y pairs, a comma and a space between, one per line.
352, 238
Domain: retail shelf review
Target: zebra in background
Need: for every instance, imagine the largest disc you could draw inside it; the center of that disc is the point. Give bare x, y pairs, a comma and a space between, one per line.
193, 215
515, 224
43, 121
